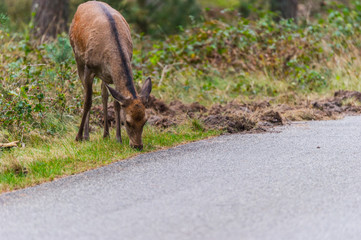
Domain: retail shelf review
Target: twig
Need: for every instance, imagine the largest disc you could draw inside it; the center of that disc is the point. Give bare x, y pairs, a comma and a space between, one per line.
34, 65
9, 145
165, 70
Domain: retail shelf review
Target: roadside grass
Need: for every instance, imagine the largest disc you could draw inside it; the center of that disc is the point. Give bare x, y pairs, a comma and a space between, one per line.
61, 156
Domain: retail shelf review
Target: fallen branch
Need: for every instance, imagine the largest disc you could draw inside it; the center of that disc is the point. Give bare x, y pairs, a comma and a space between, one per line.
9, 145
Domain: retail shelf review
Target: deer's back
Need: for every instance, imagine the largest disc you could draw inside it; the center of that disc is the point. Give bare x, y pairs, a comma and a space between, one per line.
100, 35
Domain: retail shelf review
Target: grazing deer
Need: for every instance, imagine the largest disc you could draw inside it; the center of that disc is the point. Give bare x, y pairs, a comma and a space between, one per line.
103, 47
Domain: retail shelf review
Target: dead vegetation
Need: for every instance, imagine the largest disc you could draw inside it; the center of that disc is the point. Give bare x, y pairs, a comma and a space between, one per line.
235, 117
9, 145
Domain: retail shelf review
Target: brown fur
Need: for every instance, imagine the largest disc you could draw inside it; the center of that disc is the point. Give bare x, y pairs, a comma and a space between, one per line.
96, 53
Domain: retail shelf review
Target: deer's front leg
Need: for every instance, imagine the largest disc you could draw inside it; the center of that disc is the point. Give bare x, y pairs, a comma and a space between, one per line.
88, 91
105, 95
117, 121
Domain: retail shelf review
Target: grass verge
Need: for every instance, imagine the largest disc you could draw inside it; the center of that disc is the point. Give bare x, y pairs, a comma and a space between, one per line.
62, 156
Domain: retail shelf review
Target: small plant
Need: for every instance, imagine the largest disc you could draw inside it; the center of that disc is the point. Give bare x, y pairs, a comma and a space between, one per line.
197, 125
4, 20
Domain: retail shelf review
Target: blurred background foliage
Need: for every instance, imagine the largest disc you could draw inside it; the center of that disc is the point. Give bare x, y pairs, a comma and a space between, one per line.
155, 17
162, 17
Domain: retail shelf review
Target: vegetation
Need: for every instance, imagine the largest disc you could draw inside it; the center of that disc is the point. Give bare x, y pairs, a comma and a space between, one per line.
213, 61
49, 158
154, 17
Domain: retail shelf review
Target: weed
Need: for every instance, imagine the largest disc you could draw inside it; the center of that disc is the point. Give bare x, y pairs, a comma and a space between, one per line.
197, 125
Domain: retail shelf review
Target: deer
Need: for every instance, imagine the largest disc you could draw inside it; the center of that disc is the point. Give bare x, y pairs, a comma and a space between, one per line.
103, 48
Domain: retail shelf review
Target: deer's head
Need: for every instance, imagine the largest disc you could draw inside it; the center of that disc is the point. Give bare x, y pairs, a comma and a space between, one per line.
133, 113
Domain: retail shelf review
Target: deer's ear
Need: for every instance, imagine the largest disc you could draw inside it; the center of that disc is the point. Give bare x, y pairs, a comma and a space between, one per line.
146, 89
118, 96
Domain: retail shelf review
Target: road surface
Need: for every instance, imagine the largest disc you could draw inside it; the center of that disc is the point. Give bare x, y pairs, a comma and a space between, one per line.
300, 182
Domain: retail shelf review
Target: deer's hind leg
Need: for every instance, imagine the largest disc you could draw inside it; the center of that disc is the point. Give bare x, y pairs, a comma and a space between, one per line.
87, 78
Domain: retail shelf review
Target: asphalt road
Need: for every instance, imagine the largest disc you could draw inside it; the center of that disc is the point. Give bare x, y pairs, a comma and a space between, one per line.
303, 182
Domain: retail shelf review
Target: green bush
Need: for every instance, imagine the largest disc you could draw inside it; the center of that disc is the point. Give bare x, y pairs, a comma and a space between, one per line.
298, 53
156, 17
38, 85
160, 18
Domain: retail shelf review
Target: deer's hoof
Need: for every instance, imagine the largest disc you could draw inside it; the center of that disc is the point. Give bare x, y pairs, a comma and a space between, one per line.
79, 139
137, 147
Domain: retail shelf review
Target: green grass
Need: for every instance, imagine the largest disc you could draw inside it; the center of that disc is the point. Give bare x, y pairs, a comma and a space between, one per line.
219, 3
213, 88
58, 157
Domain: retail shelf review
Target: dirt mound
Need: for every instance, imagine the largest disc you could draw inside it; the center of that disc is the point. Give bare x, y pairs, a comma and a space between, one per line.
174, 107
158, 105
161, 121
347, 102
229, 123
342, 94
177, 106
328, 106
272, 117
236, 117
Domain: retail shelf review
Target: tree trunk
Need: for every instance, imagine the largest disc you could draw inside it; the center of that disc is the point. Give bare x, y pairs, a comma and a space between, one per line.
51, 18
286, 8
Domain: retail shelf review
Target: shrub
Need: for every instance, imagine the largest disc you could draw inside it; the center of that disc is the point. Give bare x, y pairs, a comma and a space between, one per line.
160, 18
38, 84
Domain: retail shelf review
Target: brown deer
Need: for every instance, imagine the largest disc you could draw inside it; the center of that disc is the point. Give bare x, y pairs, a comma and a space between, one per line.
103, 47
